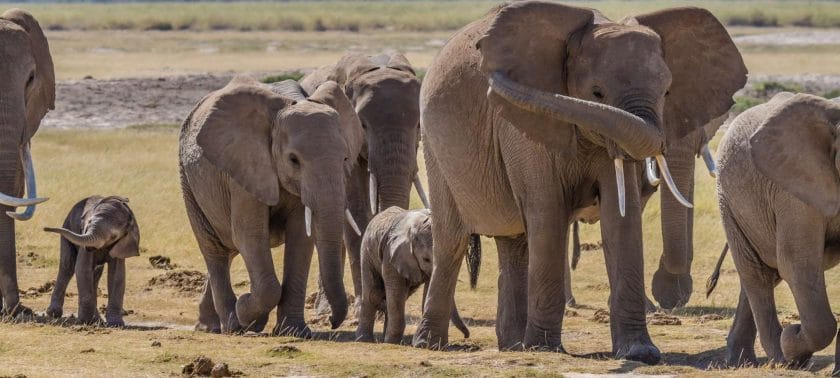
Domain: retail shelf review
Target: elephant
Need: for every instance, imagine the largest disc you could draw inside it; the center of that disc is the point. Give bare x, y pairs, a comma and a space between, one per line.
779, 196
385, 91
532, 114
98, 230
262, 166
27, 84
396, 260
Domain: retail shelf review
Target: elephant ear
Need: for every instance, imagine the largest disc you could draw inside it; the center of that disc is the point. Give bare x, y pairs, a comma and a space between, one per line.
401, 249
42, 98
235, 135
330, 94
527, 41
351, 66
706, 67
796, 147
399, 62
129, 244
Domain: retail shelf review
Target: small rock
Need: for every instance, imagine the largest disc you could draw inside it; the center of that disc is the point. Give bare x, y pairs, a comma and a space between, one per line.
89, 350
220, 370
88, 77
156, 344
570, 313
425, 363
199, 366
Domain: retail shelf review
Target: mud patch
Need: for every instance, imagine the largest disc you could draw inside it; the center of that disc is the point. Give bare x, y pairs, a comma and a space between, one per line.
162, 262
661, 318
184, 281
601, 316
35, 292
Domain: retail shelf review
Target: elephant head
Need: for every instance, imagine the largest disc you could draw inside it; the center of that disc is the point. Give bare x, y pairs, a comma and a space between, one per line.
282, 141
384, 90
410, 246
559, 72
107, 223
797, 148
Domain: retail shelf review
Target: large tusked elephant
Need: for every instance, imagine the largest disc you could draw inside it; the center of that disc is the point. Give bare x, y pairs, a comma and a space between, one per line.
27, 93
261, 166
528, 116
779, 197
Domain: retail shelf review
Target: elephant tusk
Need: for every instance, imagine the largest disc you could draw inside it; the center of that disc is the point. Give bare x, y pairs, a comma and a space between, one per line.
31, 191
650, 170
663, 166
373, 194
619, 182
307, 217
709, 159
420, 192
352, 222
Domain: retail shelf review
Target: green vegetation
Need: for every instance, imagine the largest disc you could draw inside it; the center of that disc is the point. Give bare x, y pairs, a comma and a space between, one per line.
743, 103
390, 15
292, 75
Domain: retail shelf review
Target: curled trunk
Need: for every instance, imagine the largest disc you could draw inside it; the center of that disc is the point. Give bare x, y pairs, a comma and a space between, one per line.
95, 237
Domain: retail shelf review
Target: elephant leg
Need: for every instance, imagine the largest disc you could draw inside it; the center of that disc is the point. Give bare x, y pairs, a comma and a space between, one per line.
66, 269
567, 284
296, 261
373, 294
512, 310
218, 262
86, 283
450, 247
800, 244
740, 343
359, 206
396, 293
836, 372
208, 319
8, 262
672, 284
116, 292
623, 252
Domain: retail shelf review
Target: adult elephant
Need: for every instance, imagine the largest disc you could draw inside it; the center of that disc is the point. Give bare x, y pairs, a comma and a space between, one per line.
779, 197
261, 166
528, 115
385, 92
27, 93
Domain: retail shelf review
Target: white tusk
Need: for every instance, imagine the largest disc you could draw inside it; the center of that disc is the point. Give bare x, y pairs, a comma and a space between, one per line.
352, 222
709, 159
373, 194
619, 182
31, 190
663, 166
420, 192
307, 217
650, 170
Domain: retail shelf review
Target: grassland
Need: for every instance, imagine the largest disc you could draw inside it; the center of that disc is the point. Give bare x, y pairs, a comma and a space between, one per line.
140, 163
391, 15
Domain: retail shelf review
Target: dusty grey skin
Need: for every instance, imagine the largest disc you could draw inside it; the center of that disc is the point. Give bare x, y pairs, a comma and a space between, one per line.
263, 166
27, 93
672, 284
548, 140
97, 231
396, 260
779, 197
384, 90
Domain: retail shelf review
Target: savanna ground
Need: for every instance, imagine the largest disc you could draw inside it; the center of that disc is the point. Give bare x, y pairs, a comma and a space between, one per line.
115, 132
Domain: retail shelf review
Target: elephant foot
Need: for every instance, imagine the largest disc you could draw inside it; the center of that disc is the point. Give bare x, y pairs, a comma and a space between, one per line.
571, 302
208, 328
294, 328
543, 340
251, 318
671, 290
89, 319
644, 352
741, 357
836, 372
427, 337
115, 323
55, 312
17, 311
650, 307
364, 337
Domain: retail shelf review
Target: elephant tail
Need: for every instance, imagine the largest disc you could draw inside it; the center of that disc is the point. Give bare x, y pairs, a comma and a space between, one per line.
474, 259
711, 283
459, 323
575, 245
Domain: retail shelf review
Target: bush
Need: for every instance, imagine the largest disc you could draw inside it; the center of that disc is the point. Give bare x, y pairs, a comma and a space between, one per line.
292, 75
743, 103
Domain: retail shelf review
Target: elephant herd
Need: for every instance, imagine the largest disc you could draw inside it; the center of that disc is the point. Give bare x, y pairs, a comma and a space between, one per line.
534, 117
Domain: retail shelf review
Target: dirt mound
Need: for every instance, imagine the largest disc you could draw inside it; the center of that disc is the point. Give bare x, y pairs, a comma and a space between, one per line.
586, 247
601, 316
710, 317
185, 281
35, 292
661, 318
162, 262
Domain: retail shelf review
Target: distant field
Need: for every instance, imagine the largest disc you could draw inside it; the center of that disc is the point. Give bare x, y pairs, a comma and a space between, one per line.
390, 15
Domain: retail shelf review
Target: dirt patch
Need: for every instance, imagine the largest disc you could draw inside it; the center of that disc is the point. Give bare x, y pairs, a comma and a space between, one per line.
789, 319
661, 318
710, 318
35, 292
284, 351
185, 281
162, 262
601, 316
586, 247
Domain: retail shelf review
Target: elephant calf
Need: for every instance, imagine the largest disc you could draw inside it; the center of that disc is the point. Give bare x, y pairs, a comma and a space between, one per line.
396, 260
779, 197
98, 230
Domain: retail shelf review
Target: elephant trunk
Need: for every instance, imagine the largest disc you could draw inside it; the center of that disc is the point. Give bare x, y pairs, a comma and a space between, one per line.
95, 237
328, 204
9, 183
394, 164
637, 136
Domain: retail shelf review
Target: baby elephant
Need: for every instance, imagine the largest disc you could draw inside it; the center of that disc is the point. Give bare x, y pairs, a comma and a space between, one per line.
98, 230
396, 260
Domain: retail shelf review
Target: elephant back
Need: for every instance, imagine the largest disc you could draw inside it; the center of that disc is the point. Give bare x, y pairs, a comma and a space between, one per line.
290, 89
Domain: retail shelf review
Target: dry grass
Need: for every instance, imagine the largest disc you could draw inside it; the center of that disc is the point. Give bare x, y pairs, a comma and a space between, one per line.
141, 164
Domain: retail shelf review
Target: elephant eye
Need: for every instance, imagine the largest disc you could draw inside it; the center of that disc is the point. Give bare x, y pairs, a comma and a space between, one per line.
597, 93
31, 79
667, 93
345, 159
294, 160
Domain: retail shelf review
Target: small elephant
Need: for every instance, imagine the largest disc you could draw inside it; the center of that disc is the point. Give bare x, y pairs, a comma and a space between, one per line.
97, 231
396, 260
779, 196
